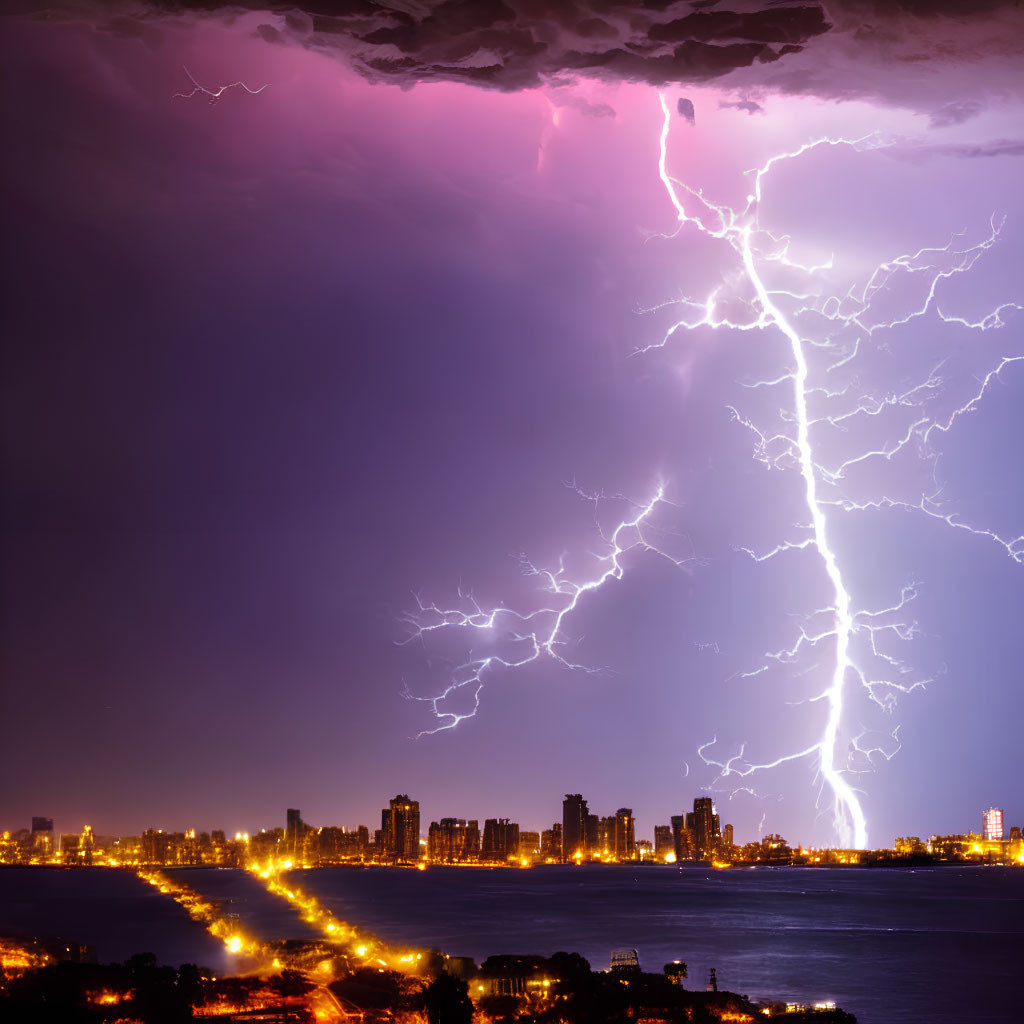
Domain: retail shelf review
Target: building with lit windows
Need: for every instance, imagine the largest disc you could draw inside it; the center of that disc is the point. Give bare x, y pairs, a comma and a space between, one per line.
663, 842
500, 840
625, 834
574, 826
400, 830
992, 827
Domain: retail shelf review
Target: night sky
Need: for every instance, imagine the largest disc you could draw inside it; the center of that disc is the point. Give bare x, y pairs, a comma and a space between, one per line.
281, 367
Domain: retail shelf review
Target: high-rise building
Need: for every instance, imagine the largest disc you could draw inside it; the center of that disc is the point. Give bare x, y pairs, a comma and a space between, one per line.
592, 835
682, 837
625, 834
501, 839
452, 841
993, 823
551, 842
605, 836
529, 845
574, 826
663, 842
706, 826
400, 830
294, 833
42, 837
727, 835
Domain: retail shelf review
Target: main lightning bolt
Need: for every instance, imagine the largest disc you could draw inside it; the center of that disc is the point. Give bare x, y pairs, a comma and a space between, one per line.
794, 446
820, 407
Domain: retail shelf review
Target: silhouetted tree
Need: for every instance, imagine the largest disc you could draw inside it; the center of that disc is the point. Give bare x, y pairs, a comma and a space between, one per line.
447, 1001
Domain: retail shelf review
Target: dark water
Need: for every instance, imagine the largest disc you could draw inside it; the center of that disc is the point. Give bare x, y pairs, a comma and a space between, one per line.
931, 946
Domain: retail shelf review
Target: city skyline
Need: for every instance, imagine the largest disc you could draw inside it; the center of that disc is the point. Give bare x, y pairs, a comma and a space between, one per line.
692, 835
349, 446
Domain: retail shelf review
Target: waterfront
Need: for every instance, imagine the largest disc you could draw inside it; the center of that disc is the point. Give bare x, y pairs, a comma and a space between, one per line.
892, 946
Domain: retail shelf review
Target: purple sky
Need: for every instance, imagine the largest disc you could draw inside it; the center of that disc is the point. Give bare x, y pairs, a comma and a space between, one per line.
276, 364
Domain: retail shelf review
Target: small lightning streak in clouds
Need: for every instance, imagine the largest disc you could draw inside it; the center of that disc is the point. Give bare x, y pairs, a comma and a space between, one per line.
542, 632
213, 94
858, 640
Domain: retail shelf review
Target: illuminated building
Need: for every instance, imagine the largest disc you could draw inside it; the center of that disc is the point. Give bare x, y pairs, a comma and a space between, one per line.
295, 834
524, 977
683, 840
993, 823
453, 841
529, 845
155, 844
551, 842
400, 828
42, 837
909, 846
676, 972
774, 848
605, 846
624, 961
69, 847
501, 839
704, 824
574, 827
333, 843
727, 835
267, 844
625, 837
664, 844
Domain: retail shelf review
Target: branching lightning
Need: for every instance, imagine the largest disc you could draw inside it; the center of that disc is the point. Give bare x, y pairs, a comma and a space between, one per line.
826, 337
542, 631
213, 94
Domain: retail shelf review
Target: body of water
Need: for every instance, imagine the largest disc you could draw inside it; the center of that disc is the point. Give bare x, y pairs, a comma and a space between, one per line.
900, 946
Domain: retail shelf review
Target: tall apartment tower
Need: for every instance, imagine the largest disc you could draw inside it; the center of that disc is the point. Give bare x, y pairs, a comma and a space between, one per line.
625, 834
993, 823
400, 829
500, 839
706, 827
663, 842
574, 827
683, 840
43, 836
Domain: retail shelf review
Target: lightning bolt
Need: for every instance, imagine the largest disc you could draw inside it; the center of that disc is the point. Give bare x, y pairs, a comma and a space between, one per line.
826, 335
214, 94
796, 446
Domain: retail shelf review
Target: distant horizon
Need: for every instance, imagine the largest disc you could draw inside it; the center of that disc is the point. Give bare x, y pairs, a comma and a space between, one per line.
425, 820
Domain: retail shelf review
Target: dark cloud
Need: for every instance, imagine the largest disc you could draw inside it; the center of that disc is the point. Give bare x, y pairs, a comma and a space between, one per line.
685, 108
748, 105
945, 58
518, 44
